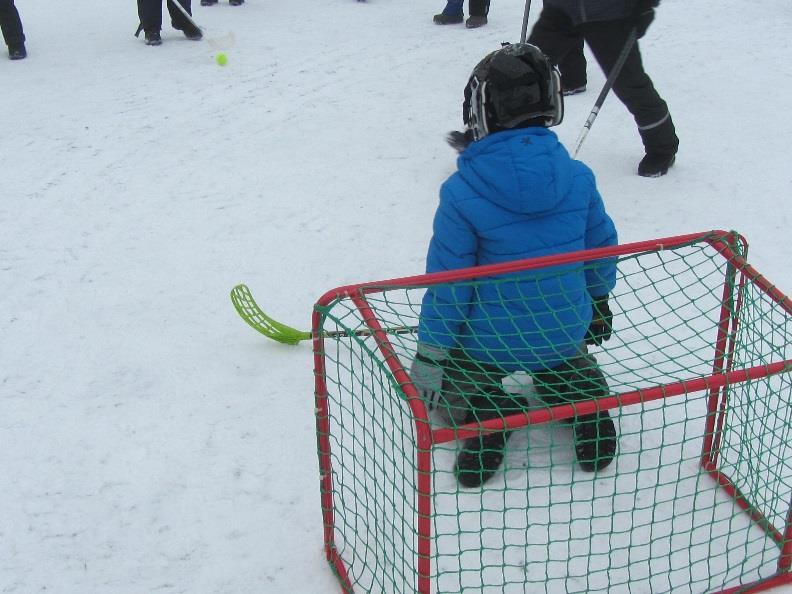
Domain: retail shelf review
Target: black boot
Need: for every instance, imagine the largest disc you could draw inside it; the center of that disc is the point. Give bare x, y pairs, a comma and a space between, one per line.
235, 2
655, 164
661, 144
208, 2
451, 15
153, 37
17, 51
580, 378
478, 14
448, 19
480, 458
595, 441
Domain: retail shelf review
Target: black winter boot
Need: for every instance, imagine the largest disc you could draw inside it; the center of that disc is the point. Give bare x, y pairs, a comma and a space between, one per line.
448, 19
17, 51
655, 164
580, 378
451, 15
235, 2
480, 458
661, 145
153, 37
478, 14
595, 441
208, 2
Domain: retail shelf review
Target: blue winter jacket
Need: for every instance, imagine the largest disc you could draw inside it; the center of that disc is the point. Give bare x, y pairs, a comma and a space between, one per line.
517, 194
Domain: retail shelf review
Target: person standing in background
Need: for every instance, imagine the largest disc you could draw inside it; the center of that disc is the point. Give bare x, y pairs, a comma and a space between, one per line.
150, 13
231, 2
606, 25
453, 13
11, 25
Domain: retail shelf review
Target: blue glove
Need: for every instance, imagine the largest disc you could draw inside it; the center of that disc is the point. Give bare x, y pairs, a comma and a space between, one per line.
426, 372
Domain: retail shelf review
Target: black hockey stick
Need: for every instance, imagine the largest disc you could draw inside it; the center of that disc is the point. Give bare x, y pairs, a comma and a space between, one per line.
525, 20
614, 73
186, 14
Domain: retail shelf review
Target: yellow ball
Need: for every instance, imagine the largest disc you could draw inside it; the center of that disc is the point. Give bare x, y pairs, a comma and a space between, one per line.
221, 59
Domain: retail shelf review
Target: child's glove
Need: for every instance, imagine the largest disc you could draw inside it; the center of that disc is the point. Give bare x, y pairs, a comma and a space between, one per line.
644, 15
601, 326
426, 372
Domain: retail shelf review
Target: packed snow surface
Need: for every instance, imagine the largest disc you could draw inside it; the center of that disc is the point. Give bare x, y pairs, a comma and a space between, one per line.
149, 440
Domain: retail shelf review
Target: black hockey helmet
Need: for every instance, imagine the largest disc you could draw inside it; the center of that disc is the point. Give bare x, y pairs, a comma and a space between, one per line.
512, 87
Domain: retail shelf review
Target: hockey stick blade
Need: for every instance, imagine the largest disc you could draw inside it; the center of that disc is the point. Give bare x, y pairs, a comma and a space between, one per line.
249, 310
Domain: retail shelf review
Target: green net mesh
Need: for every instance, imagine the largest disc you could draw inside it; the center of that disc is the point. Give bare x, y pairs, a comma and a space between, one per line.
697, 498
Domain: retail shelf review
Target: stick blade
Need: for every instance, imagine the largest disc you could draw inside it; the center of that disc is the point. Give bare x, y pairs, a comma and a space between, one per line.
251, 313
222, 42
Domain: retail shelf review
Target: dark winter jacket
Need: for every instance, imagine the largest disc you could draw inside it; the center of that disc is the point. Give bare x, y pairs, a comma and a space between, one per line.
588, 11
517, 194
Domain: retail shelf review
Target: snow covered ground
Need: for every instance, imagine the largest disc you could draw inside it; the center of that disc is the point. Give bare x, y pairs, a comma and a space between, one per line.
149, 441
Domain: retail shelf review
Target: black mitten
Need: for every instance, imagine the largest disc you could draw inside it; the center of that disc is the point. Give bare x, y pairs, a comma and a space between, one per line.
601, 326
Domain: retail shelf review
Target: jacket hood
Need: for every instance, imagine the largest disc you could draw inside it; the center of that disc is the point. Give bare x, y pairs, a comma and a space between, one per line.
526, 170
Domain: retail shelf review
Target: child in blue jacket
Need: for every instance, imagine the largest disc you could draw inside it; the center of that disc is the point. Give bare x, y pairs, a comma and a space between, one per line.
516, 194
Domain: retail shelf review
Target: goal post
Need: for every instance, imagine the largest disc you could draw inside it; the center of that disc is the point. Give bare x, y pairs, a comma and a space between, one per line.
697, 499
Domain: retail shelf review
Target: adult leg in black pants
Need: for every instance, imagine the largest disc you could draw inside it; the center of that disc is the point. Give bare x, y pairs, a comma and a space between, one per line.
182, 23
479, 9
150, 14
11, 25
555, 34
559, 38
635, 89
573, 70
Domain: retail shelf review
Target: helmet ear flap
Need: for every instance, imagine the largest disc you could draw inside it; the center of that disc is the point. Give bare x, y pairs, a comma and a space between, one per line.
556, 97
475, 107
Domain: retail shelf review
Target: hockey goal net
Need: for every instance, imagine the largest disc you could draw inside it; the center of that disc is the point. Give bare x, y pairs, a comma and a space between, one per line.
697, 499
